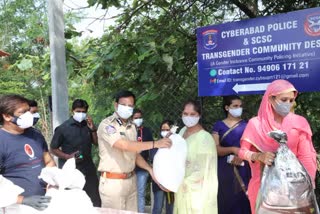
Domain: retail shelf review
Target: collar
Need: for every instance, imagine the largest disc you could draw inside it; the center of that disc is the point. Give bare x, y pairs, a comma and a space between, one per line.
115, 117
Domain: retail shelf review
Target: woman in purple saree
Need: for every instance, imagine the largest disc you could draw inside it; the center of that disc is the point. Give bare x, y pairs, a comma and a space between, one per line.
233, 173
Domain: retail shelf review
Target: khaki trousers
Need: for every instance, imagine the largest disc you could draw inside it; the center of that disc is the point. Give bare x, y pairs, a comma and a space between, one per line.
119, 194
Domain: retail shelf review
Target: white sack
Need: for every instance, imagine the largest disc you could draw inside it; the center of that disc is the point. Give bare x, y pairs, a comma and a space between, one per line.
69, 201
169, 163
73, 200
67, 177
8, 192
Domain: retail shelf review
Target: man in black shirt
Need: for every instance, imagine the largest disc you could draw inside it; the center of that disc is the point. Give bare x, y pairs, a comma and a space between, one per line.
74, 138
143, 134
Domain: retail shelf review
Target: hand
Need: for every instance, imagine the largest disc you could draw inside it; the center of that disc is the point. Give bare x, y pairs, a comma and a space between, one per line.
90, 123
267, 158
72, 155
236, 161
163, 143
37, 202
235, 150
163, 188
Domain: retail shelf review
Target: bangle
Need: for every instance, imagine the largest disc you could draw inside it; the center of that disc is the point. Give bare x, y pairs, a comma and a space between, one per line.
255, 156
153, 144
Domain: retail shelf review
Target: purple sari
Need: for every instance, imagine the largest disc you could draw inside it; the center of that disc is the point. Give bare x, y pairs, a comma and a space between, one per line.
231, 198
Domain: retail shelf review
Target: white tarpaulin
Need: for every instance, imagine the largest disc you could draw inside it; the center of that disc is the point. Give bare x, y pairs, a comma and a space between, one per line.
169, 163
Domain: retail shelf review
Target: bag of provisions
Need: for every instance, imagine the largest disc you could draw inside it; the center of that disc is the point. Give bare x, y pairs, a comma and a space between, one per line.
286, 186
169, 163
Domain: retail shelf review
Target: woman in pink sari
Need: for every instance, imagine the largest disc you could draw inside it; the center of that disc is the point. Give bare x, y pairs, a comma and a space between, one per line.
274, 114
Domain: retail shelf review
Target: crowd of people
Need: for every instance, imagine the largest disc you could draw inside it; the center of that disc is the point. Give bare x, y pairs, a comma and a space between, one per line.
222, 169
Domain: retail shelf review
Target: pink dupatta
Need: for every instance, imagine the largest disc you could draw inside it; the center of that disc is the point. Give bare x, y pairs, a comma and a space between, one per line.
256, 131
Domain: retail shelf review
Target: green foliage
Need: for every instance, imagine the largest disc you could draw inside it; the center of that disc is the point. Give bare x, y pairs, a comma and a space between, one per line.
151, 50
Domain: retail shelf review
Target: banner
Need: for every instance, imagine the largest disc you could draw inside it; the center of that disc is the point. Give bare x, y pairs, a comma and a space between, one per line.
244, 57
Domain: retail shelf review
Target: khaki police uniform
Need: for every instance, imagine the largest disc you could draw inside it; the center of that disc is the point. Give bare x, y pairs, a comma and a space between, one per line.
116, 192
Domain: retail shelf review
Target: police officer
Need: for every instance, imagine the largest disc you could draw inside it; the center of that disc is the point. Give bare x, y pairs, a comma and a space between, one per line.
119, 154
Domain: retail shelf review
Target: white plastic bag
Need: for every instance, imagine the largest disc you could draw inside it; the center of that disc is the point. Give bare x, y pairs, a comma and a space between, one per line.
67, 177
8, 192
286, 186
169, 163
69, 198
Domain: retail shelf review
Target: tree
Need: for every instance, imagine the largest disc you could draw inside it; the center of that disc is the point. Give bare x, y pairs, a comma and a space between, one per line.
24, 34
152, 50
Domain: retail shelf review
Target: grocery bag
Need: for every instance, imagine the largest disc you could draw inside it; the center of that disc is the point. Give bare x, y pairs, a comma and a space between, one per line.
286, 186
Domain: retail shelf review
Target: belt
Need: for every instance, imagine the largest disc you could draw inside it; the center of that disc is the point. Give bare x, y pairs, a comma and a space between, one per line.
113, 175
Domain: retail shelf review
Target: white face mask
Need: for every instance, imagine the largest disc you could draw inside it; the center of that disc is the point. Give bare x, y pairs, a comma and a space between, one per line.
164, 133
124, 111
24, 121
190, 121
236, 112
79, 116
138, 122
36, 117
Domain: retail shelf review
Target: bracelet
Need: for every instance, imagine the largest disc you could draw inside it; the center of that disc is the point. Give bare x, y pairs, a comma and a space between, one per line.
153, 144
248, 155
255, 156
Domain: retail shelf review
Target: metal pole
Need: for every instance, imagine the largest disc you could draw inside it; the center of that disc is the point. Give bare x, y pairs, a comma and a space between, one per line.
58, 63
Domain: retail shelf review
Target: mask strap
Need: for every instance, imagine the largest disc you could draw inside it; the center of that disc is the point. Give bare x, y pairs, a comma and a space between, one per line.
14, 119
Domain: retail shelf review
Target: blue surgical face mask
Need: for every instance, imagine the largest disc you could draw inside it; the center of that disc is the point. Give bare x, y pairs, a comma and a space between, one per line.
282, 108
236, 112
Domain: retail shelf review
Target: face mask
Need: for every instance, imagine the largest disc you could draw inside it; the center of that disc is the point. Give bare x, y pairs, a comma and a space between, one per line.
282, 109
190, 121
79, 116
24, 121
164, 133
124, 111
236, 112
36, 117
138, 122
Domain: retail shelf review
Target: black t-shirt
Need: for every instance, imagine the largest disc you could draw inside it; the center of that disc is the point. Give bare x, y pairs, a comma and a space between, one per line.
72, 136
21, 159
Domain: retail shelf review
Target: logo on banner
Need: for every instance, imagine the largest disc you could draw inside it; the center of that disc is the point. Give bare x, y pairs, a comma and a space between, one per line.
210, 39
312, 24
28, 150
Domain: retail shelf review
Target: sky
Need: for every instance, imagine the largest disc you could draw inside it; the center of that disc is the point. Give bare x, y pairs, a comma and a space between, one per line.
89, 25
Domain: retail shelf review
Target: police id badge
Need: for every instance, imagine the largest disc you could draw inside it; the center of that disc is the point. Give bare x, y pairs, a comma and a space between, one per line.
111, 129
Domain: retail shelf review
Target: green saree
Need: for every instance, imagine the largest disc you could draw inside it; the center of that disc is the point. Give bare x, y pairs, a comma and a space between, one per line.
198, 192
